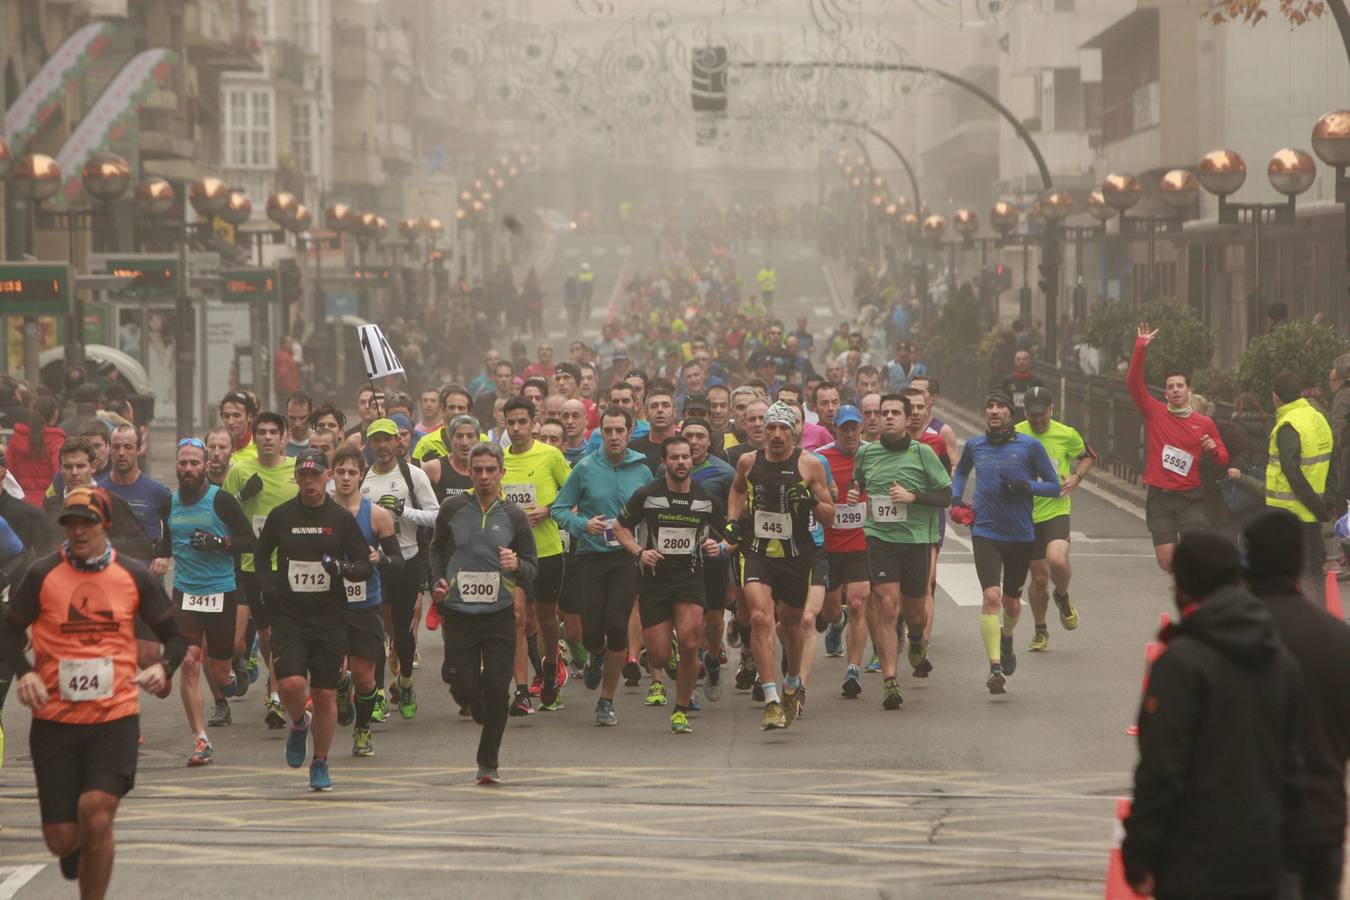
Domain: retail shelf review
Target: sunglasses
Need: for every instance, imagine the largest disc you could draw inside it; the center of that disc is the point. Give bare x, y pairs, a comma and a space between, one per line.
192, 442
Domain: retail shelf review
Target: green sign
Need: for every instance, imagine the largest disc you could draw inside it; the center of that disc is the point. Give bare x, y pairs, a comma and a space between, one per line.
156, 276
247, 285
34, 289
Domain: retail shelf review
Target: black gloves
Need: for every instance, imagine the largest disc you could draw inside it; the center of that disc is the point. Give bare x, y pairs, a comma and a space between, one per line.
251, 488
394, 504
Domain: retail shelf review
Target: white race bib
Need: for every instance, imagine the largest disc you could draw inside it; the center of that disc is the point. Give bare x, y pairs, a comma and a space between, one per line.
773, 524
307, 577
522, 495
610, 539
258, 524
675, 541
849, 516
884, 509
355, 590
86, 679
478, 587
204, 603
566, 537
1174, 459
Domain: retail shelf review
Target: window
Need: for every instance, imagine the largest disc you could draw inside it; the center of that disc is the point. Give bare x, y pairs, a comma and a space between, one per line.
305, 25
247, 131
302, 135
261, 11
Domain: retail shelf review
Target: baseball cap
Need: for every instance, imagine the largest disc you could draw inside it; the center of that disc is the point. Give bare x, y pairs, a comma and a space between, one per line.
402, 422
92, 504
1037, 400
696, 401
314, 460
847, 413
382, 426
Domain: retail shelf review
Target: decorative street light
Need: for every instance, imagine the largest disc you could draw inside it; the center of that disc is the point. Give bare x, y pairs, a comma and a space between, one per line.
1121, 192
1331, 143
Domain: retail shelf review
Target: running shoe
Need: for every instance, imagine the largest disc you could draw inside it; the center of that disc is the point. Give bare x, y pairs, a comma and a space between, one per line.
345, 712
604, 712
295, 743
220, 715
791, 698
70, 865
1007, 656
996, 681
693, 703
319, 779
632, 673
834, 640
918, 652
407, 702
521, 706
230, 687
417, 659
656, 694
712, 687
593, 671
202, 753
733, 634
563, 674
555, 706
679, 723
745, 675
362, 745
1068, 616
381, 711
548, 693
487, 776
276, 716
925, 668
1040, 641
242, 677
873, 666
852, 683
774, 717
757, 692
890, 695
253, 663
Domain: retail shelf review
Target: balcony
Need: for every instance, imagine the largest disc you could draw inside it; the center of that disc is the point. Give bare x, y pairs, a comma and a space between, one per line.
289, 64
1068, 155
218, 36
395, 145
166, 134
355, 161
356, 62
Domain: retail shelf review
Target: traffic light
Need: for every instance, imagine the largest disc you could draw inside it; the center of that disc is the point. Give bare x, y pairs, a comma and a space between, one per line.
709, 79
1003, 279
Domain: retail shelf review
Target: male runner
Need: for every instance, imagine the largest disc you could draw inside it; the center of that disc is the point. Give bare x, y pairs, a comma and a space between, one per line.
750, 420
308, 545
587, 506
776, 491
714, 475
870, 407
219, 447
1050, 558
573, 418
1013, 469
482, 545
455, 402
661, 421
299, 405
406, 492
450, 474
921, 428
81, 603
846, 549
208, 530
679, 518
905, 486
237, 410
432, 411
535, 472
356, 691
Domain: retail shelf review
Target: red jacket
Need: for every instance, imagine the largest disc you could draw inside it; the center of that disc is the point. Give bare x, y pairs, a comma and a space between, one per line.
34, 474
1174, 442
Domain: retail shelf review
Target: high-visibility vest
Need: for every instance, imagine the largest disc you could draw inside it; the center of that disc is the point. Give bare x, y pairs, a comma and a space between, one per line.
1315, 439
768, 280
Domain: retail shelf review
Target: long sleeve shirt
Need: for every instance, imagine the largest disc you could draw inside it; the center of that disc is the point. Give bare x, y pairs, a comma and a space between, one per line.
1174, 442
1001, 515
465, 551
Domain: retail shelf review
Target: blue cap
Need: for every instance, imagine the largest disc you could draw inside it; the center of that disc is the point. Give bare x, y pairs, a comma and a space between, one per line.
403, 422
847, 413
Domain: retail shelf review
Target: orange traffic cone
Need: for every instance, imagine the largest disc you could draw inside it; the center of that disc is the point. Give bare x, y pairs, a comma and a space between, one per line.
1152, 650
1334, 596
1117, 888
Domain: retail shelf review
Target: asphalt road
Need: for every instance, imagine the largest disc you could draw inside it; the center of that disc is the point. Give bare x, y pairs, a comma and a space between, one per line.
956, 795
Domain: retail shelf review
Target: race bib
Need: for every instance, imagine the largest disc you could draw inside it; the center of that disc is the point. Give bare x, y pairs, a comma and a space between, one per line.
1174, 459
610, 539
773, 525
86, 679
478, 587
203, 603
258, 524
849, 516
1018, 397
522, 495
307, 577
566, 537
355, 590
675, 541
884, 509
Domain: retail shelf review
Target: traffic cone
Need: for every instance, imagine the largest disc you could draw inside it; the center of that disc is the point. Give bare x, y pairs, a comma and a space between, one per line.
1334, 596
1117, 888
1152, 650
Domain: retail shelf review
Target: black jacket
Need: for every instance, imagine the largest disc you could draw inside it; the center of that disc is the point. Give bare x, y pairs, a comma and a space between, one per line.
1217, 755
1322, 647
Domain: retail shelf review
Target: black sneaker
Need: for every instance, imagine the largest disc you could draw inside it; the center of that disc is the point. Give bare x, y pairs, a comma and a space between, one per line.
632, 673
240, 670
1008, 654
70, 865
924, 669
346, 712
757, 692
890, 695
745, 676
996, 681
852, 685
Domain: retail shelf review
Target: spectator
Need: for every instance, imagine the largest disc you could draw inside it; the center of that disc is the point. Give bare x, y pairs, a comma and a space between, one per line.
1277, 314
1217, 740
12, 407
1338, 380
286, 367
1219, 505
904, 368
34, 450
1313, 852
88, 399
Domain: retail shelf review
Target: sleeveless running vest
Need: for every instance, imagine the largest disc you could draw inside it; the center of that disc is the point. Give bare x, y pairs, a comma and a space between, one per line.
780, 526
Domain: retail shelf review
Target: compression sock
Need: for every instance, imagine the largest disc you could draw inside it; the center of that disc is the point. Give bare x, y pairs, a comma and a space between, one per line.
365, 708
989, 631
1009, 623
771, 693
745, 634
379, 671
532, 648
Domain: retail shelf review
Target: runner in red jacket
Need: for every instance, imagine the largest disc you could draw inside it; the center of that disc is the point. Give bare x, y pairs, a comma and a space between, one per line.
1177, 437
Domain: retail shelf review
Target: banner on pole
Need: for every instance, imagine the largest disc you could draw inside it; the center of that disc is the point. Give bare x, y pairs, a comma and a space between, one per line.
377, 354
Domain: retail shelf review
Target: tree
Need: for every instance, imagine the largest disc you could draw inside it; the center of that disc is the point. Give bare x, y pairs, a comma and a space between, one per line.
1296, 12
1300, 347
1183, 344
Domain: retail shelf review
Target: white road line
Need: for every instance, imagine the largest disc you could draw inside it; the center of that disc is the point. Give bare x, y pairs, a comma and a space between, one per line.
952, 535
960, 583
16, 878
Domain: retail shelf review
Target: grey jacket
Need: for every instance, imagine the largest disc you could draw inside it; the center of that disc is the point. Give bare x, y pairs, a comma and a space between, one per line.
466, 543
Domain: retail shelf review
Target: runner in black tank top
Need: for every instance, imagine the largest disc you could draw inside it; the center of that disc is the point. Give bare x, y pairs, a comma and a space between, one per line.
450, 474
777, 489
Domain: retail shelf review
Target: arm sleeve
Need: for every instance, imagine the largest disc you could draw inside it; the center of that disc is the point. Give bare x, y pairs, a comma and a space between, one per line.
522, 541
425, 517
1291, 457
1167, 722
393, 554
266, 547
164, 546
561, 508
939, 491
355, 548
442, 540
242, 539
1134, 378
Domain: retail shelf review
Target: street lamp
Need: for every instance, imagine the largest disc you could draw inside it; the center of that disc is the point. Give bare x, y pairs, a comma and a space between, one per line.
1122, 192
1331, 143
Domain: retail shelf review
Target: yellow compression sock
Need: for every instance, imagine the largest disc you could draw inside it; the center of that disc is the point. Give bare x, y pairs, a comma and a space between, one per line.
989, 630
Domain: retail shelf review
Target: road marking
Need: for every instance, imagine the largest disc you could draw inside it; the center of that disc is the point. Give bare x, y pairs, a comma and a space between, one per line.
825, 311
960, 583
18, 876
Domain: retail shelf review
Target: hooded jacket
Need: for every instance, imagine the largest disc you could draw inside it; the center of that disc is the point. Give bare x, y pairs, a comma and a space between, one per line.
597, 488
1217, 755
33, 473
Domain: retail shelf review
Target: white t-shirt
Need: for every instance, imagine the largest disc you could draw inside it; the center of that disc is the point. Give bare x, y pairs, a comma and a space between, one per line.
378, 485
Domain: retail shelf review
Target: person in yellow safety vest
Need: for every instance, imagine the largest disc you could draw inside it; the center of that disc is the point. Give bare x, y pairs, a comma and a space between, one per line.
1299, 468
767, 279
586, 281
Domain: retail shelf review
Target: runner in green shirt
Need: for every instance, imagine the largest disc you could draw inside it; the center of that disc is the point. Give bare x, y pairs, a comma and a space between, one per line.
1073, 459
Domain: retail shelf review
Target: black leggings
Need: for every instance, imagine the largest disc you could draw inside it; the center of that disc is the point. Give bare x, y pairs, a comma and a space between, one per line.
400, 591
609, 583
479, 654
1007, 561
